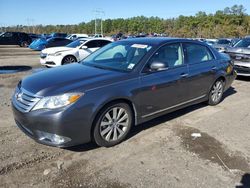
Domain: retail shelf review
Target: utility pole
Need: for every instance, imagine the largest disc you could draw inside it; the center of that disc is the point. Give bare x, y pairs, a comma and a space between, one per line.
99, 14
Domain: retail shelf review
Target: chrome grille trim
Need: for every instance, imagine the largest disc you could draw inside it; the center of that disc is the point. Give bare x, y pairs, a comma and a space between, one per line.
24, 100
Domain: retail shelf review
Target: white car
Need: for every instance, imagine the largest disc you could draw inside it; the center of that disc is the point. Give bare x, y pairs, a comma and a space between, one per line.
73, 52
76, 36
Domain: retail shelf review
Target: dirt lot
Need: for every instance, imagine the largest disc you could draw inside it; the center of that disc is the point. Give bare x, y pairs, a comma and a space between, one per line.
160, 153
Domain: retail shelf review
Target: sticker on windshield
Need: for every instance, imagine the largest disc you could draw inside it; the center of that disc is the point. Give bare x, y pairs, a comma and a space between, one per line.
142, 46
131, 66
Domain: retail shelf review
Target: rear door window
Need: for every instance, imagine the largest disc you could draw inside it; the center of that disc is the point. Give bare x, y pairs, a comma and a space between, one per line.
92, 44
102, 43
7, 35
196, 53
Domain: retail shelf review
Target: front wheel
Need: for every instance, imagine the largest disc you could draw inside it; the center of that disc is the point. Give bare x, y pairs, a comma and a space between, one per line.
68, 60
113, 124
215, 95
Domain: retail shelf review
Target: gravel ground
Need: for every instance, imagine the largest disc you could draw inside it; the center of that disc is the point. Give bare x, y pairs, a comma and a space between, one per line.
159, 153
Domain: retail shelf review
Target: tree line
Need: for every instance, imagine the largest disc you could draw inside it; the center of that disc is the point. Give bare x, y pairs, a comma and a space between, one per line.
230, 22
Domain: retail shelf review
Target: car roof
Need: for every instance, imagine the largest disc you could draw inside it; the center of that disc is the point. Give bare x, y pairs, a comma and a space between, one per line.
159, 40
89, 39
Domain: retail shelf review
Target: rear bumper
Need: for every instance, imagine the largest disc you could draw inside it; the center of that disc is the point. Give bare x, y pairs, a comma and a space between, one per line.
45, 126
229, 79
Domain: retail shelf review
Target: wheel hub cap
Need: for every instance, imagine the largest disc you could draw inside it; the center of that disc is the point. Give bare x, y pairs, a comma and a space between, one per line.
114, 124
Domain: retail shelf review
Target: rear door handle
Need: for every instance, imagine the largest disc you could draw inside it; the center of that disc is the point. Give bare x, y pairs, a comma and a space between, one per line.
184, 75
214, 68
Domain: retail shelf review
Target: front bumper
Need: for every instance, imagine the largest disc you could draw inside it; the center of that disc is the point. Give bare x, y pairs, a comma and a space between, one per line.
71, 126
242, 68
51, 61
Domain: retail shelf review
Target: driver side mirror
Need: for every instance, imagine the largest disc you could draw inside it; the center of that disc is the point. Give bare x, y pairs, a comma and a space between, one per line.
158, 66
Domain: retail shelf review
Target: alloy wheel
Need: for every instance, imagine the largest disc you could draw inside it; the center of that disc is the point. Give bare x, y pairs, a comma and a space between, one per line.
217, 91
114, 124
69, 60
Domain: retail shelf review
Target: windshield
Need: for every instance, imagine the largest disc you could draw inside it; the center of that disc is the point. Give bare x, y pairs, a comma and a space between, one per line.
121, 56
39, 41
244, 43
75, 43
223, 41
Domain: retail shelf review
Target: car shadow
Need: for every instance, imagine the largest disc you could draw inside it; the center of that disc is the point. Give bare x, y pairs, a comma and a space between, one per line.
83, 147
230, 91
245, 181
147, 125
243, 78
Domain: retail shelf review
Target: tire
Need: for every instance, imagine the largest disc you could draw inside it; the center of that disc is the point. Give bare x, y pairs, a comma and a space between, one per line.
24, 44
112, 124
68, 60
216, 93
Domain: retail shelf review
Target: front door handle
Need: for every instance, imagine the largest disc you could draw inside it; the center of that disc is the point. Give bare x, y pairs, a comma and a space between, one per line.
184, 75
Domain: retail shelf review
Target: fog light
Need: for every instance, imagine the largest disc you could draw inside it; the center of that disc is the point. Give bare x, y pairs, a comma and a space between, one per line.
58, 139
53, 138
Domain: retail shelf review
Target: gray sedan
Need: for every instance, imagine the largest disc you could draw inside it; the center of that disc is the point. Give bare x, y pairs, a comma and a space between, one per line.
117, 87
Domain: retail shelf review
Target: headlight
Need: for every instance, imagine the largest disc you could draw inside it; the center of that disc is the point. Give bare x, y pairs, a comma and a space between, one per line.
55, 54
58, 101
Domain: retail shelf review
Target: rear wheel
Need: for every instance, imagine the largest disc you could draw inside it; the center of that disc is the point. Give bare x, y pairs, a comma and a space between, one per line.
24, 44
68, 59
216, 93
113, 124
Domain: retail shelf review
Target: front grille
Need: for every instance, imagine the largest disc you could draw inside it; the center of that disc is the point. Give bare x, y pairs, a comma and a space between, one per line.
43, 55
24, 100
242, 69
50, 63
239, 57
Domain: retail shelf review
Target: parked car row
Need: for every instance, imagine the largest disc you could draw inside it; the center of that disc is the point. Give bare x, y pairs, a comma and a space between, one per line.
43, 43
25, 39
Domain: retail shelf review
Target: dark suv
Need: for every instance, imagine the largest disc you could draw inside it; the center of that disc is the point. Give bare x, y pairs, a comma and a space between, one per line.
15, 38
119, 86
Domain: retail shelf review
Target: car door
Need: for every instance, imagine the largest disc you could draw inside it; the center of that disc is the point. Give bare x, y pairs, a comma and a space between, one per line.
202, 69
164, 89
64, 42
51, 43
7, 39
91, 47
59, 42
102, 43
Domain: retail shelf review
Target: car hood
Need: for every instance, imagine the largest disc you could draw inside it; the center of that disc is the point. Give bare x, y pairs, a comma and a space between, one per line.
238, 50
69, 78
220, 45
56, 49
